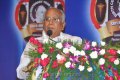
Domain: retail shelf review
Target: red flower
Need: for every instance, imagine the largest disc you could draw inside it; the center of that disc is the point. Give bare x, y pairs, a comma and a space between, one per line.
40, 50
62, 60
35, 65
112, 59
46, 74
118, 77
115, 72
45, 62
102, 67
51, 50
55, 64
31, 39
106, 56
112, 52
82, 59
40, 44
108, 77
37, 60
35, 42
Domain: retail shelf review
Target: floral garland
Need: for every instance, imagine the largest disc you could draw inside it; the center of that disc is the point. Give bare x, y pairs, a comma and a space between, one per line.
67, 55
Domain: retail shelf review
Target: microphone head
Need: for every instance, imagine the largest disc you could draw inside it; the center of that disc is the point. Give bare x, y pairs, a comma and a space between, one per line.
49, 32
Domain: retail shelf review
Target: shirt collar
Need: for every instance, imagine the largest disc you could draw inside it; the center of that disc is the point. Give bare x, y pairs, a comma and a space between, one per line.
58, 38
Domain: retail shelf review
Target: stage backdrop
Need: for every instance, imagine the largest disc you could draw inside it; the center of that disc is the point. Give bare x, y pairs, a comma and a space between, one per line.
87, 19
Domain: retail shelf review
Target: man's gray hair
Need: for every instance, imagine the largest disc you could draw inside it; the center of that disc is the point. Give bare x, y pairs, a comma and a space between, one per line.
63, 14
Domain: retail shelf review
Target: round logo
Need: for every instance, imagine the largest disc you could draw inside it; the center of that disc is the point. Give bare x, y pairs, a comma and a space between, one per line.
21, 14
37, 11
98, 12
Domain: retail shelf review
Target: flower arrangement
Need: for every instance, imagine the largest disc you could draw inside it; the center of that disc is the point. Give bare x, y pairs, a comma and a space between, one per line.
67, 56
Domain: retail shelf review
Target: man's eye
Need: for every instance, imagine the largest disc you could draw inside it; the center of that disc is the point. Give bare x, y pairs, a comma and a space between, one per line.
56, 19
47, 19
53, 19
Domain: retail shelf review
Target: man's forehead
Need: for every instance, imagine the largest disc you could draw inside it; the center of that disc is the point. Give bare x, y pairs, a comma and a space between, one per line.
53, 12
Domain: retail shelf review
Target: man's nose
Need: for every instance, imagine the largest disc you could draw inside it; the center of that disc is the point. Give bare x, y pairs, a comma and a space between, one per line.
50, 27
51, 21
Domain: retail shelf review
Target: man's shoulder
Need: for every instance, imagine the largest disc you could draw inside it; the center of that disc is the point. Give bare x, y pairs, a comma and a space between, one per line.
71, 37
39, 38
68, 35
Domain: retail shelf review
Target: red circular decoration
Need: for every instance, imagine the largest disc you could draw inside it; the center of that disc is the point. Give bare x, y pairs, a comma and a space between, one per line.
17, 13
92, 13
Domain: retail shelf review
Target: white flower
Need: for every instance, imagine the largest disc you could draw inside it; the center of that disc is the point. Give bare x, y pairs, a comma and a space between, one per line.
94, 55
66, 50
116, 62
82, 53
59, 56
45, 40
38, 71
59, 45
89, 69
67, 64
76, 53
72, 49
118, 51
94, 44
101, 61
102, 52
81, 68
43, 56
102, 43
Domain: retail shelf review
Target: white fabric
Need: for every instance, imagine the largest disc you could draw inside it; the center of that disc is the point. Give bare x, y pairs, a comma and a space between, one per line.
25, 59
38, 71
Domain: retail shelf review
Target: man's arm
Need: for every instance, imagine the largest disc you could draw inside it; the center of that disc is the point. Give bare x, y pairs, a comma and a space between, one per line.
24, 61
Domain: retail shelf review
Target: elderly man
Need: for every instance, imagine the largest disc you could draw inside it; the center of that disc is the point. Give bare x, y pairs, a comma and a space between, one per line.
54, 21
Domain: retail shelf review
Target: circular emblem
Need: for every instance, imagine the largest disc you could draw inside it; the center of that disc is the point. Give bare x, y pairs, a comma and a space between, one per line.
21, 14
98, 12
37, 11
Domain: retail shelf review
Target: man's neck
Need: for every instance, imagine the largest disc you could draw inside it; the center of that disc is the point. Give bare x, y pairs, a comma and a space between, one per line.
45, 36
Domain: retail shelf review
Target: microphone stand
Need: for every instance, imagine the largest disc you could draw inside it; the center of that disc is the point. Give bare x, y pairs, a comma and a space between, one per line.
52, 40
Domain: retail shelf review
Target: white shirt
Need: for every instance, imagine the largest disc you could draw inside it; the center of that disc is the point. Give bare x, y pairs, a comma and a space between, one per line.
25, 59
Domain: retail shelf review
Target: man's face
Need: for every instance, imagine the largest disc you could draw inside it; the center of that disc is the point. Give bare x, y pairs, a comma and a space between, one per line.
53, 21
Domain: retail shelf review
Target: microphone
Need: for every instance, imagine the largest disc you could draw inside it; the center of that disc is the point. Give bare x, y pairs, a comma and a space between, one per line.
49, 33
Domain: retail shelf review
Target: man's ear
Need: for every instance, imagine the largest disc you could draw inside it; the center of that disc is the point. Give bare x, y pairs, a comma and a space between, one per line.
63, 26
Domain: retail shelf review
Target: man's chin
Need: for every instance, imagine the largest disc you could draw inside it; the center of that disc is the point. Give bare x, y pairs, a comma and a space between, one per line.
52, 36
